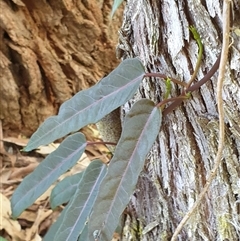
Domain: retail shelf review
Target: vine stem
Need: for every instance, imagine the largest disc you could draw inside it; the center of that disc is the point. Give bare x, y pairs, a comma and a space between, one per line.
163, 76
217, 161
200, 53
194, 87
89, 143
181, 98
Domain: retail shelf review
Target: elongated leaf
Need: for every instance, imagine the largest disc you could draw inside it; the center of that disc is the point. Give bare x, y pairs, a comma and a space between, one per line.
79, 209
84, 234
2, 239
83, 200
48, 171
91, 105
64, 190
115, 6
140, 130
55, 226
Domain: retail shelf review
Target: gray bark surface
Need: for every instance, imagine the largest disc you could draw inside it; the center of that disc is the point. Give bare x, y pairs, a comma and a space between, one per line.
181, 159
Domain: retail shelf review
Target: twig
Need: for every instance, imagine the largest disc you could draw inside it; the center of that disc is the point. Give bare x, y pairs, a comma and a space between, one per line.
181, 98
194, 87
223, 62
163, 76
197, 37
1, 137
89, 143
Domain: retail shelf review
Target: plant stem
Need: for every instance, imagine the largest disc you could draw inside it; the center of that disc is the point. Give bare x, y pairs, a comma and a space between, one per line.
163, 76
200, 52
194, 87
89, 143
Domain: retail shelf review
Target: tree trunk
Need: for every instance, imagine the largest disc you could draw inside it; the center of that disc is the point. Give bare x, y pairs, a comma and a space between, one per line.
181, 159
49, 51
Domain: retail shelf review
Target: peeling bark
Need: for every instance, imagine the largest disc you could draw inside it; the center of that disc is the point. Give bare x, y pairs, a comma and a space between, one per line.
181, 160
49, 51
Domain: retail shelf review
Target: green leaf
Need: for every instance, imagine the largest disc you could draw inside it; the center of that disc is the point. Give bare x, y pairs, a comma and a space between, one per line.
91, 105
84, 235
2, 239
141, 127
115, 6
64, 190
72, 220
48, 171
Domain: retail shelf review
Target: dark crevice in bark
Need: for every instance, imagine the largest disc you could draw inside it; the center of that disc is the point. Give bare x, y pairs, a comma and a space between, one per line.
47, 86
188, 14
161, 20
190, 64
12, 5
197, 155
217, 23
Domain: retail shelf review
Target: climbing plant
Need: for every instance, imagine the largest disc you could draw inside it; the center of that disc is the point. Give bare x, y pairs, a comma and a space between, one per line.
97, 197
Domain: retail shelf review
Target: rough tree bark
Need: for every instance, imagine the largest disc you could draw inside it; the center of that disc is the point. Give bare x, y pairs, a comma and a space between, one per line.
50, 48
183, 155
49, 51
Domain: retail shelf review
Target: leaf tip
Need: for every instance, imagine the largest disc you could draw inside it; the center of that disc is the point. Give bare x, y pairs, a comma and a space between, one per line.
15, 213
27, 148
